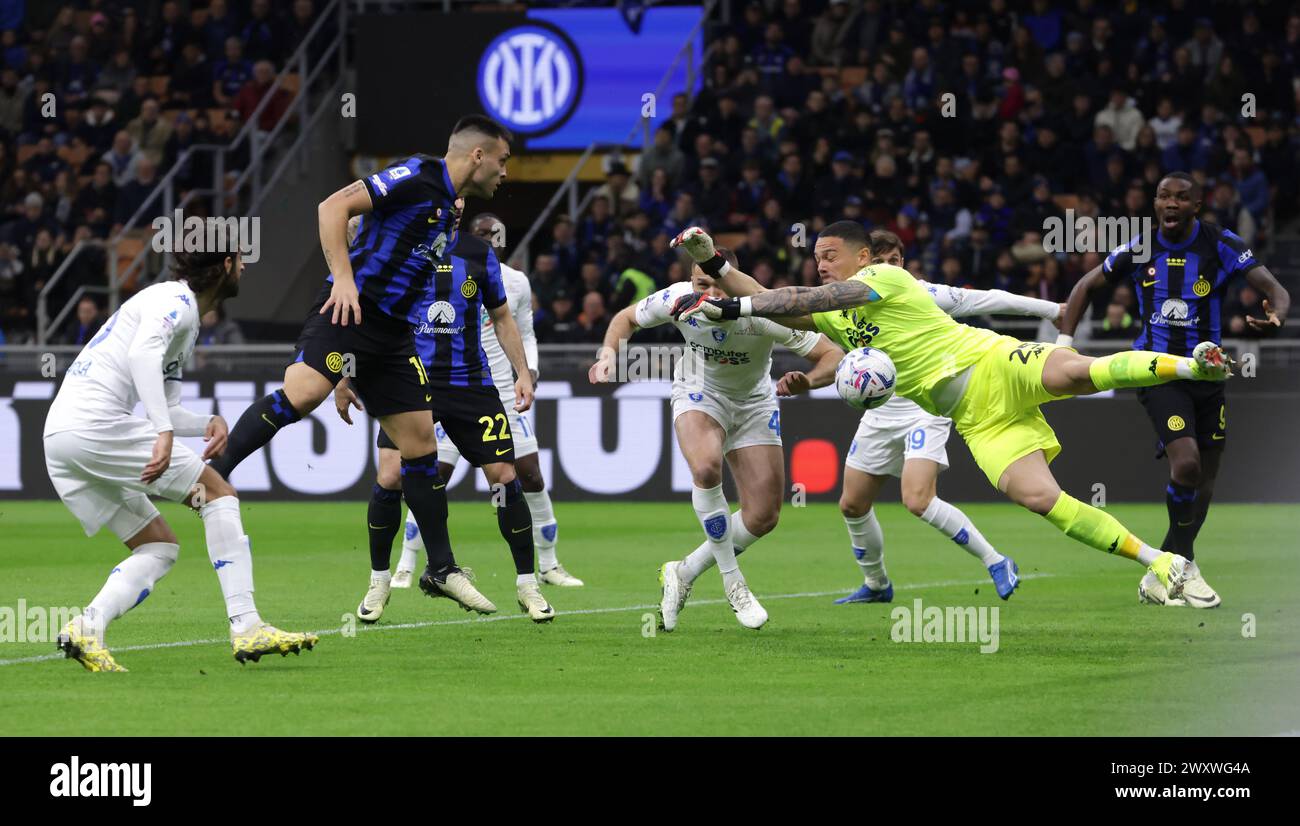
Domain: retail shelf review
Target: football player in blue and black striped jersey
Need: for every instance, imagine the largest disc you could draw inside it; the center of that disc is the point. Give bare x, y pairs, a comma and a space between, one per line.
361, 324
1181, 286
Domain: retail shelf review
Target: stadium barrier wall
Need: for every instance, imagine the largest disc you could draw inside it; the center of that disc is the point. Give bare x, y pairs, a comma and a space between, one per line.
616, 442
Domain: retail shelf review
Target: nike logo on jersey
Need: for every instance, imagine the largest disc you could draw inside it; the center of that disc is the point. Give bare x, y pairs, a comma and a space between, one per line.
503, 452
1216, 437
521, 530
379, 527
271, 423
1150, 283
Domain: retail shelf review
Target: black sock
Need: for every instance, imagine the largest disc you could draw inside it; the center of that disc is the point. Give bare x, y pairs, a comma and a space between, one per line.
1203, 498
383, 519
1181, 504
516, 523
258, 424
426, 494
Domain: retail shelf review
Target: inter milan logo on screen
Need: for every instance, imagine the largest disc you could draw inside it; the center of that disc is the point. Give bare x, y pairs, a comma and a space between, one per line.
530, 79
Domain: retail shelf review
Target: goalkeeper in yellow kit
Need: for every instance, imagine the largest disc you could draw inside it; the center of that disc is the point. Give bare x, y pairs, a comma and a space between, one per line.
989, 384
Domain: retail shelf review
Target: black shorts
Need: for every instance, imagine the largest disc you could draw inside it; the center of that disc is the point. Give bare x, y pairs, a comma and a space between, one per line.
474, 420
378, 356
1187, 408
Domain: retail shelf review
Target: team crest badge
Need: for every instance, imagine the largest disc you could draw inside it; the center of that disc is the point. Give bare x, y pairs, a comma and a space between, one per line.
719, 335
468, 289
1201, 287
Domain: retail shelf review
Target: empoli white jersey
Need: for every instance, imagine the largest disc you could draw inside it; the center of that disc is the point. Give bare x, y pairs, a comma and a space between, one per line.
519, 298
136, 356
732, 359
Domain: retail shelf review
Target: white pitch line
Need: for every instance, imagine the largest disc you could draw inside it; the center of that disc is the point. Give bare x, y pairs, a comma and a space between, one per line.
503, 617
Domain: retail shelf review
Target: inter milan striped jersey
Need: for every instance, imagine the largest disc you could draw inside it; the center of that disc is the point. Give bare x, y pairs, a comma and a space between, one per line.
406, 235
448, 331
1181, 287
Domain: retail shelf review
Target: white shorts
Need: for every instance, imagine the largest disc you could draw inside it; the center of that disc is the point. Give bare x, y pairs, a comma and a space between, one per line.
745, 423
521, 431
96, 472
882, 444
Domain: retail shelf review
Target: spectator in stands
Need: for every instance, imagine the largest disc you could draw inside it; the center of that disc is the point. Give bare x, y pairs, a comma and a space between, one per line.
712, 196
618, 189
123, 158
598, 225
683, 215
657, 198
1205, 49
250, 97
149, 132
835, 34
1246, 302
564, 247
1121, 115
556, 323
22, 232
131, 197
263, 34
45, 163
117, 77
218, 27
85, 322
663, 154
75, 74
98, 127
593, 319
191, 86
13, 101
197, 169
231, 73
769, 125
1250, 183
1118, 323
216, 328
95, 202
165, 38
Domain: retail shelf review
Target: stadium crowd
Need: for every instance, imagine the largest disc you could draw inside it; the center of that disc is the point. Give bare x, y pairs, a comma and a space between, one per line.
98, 100
815, 111
960, 126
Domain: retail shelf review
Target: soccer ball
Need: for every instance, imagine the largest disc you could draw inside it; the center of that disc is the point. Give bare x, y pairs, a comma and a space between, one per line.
865, 378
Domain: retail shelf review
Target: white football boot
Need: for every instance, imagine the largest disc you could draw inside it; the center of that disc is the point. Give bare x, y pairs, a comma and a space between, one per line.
402, 578
1151, 591
372, 606
745, 604
532, 603
1196, 591
672, 598
559, 576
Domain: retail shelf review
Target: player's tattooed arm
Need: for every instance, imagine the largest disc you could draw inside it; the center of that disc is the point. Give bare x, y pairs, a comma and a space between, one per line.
332, 216
1276, 305
797, 301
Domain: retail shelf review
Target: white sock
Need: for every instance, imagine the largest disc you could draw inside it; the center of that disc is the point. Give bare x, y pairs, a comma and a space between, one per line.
127, 586
232, 556
544, 528
381, 576
955, 525
412, 544
869, 549
1148, 554
522, 579
711, 508
701, 559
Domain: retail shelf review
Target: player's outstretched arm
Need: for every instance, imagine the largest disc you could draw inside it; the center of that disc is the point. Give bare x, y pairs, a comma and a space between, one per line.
824, 357
1276, 306
960, 302
332, 216
503, 323
786, 303
620, 329
1077, 304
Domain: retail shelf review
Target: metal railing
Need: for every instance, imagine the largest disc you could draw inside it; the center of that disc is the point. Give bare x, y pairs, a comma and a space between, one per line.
248, 189
569, 188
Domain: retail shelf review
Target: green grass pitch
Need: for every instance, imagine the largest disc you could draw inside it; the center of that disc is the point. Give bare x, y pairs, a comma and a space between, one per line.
1077, 654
